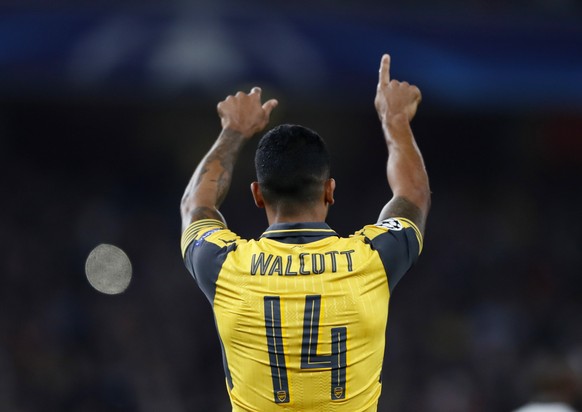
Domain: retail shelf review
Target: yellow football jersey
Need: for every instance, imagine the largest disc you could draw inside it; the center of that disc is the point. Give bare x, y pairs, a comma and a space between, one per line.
301, 312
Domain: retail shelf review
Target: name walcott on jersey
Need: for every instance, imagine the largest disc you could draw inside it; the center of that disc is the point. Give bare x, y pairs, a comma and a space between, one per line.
300, 264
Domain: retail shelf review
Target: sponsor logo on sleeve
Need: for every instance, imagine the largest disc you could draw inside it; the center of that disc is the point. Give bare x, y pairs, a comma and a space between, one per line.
391, 224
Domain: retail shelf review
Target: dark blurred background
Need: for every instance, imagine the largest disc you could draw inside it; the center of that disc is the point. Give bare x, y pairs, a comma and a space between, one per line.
106, 107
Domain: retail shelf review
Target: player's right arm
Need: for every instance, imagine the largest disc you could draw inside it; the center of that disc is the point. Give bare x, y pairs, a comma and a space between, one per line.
242, 116
396, 103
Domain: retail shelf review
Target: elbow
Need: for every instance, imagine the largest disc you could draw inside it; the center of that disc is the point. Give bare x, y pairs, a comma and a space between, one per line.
427, 198
424, 199
186, 207
420, 196
184, 204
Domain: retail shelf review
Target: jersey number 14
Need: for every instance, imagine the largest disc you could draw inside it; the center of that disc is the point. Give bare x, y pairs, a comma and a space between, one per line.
336, 362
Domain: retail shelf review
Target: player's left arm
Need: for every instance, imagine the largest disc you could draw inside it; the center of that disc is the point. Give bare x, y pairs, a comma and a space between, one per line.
242, 116
396, 103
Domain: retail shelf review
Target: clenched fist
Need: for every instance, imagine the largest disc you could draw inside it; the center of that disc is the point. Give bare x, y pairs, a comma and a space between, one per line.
244, 113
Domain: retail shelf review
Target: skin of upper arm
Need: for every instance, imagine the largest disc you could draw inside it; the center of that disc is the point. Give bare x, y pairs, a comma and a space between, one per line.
401, 207
198, 213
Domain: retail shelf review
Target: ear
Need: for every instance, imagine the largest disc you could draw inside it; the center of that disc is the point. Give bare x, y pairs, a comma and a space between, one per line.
257, 195
329, 188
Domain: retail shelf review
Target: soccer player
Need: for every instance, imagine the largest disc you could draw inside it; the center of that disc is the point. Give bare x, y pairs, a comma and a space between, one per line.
301, 312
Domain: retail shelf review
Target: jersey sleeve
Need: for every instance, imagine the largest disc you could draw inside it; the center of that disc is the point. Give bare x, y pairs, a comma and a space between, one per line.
205, 245
398, 242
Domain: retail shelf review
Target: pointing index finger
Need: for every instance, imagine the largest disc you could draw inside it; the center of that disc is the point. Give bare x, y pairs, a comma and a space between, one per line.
385, 69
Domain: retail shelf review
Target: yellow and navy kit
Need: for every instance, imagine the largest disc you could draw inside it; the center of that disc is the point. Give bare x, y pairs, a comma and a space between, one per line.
301, 312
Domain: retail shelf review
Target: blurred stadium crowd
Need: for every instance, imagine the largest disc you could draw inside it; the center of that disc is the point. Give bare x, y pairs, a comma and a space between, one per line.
93, 154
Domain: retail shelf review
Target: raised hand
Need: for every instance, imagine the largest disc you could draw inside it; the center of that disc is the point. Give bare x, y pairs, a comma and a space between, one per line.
244, 113
394, 97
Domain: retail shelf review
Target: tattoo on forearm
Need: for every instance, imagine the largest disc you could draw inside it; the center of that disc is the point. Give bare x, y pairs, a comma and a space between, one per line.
225, 152
216, 167
227, 149
201, 173
223, 184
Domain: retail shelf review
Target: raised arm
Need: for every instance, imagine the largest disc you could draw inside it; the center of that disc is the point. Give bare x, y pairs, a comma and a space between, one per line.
242, 116
396, 103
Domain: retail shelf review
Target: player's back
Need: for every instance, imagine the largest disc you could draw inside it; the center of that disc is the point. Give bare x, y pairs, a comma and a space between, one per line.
301, 315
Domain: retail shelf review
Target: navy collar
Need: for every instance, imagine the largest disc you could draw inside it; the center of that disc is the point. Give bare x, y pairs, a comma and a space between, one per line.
299, 229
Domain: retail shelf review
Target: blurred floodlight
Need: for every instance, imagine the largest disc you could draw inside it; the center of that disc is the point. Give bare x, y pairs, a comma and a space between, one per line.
108, 269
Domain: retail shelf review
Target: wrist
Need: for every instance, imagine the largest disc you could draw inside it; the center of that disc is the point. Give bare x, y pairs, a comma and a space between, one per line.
233, 134
397, 129
397, 120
